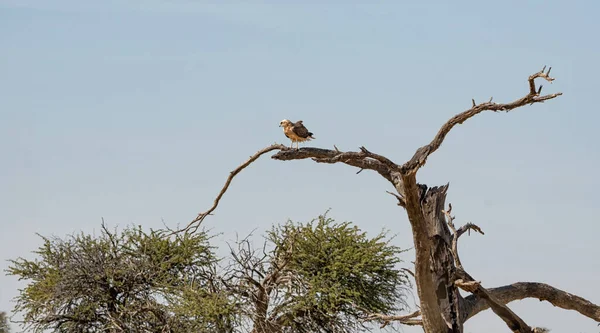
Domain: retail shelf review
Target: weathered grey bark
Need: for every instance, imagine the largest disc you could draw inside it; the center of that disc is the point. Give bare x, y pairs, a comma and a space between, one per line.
438, 272
443, 267
474, 304
512, 320
428, 212
434, 266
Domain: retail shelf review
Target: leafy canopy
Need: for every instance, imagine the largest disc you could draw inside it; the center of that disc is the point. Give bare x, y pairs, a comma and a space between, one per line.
111, 282
319, 276
339, 275
4, 328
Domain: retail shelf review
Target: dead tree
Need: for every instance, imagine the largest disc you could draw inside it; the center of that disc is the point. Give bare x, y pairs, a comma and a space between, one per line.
439, 273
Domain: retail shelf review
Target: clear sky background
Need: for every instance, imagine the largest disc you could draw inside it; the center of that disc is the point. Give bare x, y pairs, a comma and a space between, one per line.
136, 111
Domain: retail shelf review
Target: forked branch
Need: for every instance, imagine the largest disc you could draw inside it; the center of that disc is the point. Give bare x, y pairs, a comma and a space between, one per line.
421, 155
464, 281
512, 320
521, 290
457, 233
409, 319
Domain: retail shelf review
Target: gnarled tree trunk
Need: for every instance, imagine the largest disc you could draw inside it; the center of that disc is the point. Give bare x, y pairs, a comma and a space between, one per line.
443, 268
438, 271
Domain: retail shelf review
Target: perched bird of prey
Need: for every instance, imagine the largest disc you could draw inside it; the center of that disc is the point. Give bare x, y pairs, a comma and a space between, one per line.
296, 132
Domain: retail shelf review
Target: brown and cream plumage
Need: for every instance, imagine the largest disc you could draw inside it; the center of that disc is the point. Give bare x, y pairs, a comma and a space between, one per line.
296, 132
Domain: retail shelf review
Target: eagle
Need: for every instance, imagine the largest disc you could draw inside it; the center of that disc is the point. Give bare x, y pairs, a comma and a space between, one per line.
296, 132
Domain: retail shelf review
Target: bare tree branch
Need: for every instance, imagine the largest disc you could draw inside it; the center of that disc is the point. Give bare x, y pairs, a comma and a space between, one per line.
466, 282
362, 159
457, 233
503, 295
195, 223
468, 227
521, 290
409, 319
512, 320
542, 74
421, 155
401, 202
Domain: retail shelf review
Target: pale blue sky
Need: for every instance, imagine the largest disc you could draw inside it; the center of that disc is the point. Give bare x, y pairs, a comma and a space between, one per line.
136, 111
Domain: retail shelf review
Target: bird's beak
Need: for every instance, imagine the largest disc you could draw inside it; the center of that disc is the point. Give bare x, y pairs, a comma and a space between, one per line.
279, 124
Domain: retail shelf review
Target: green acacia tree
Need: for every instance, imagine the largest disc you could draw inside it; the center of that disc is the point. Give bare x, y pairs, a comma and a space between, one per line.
320, 276
113, 282
4, 327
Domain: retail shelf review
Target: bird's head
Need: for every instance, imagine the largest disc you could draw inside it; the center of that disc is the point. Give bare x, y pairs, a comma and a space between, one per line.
284, 123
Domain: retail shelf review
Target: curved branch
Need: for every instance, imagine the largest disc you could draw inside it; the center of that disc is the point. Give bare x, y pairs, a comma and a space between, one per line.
362, 159
409, 319
541, 291
466, 282
195, 223
421, 155
468, 227
512, 320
